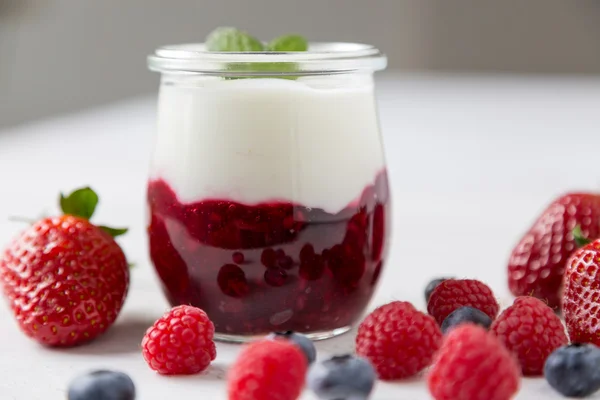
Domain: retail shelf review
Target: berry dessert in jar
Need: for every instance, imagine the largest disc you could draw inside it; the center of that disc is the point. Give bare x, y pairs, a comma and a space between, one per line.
268, 196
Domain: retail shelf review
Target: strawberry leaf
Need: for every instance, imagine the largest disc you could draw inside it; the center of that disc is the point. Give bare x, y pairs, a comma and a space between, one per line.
81, 203
580, 239
114, 232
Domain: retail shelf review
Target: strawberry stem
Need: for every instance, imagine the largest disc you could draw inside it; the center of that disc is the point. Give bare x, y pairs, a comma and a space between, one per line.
82, 203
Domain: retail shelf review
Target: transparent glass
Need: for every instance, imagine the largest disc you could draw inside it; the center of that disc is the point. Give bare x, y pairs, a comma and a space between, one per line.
268, 195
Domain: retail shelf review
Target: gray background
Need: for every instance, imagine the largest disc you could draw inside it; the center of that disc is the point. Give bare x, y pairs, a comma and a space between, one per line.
59, 56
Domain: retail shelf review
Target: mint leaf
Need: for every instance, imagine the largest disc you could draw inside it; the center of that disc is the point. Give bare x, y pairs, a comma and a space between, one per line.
288, 43
226, 39
114, 232
580, 240
81, 203
232, 39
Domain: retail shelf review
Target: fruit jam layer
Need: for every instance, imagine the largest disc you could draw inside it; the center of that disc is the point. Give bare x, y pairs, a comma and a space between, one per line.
274, 266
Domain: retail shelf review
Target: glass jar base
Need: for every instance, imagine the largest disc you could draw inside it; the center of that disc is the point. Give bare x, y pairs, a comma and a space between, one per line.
314, 336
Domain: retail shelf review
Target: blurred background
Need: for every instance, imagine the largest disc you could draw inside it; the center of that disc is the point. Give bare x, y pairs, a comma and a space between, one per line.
60, 56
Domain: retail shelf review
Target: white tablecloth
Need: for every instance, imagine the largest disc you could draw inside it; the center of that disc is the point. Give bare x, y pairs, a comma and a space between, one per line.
472, 160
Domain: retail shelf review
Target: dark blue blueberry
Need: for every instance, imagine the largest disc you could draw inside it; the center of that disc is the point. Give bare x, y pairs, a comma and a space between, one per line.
305, 344
466, 314
431, 287
574, 370
102, 385
342, 377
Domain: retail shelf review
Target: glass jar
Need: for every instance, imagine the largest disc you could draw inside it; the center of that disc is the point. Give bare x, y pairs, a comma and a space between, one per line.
268, 195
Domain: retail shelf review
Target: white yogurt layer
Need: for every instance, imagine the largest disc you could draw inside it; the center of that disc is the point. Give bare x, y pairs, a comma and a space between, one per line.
314, 141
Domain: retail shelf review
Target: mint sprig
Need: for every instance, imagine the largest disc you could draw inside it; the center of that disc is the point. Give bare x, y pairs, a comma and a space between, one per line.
232, 39
227, 39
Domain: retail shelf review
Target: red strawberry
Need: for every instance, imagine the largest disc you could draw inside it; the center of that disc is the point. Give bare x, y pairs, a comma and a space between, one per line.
537, 264
581, 297
65, 279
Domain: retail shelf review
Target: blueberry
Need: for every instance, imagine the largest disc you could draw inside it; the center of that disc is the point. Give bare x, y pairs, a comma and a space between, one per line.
466, 314
305, 344
342, 377
102, 385
574, 370
432, 285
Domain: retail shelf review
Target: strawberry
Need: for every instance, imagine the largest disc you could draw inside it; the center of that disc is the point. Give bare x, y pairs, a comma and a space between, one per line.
65, 279
581, 296
537, 264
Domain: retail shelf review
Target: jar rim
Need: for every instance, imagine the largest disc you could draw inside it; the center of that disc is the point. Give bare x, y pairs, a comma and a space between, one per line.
321, 58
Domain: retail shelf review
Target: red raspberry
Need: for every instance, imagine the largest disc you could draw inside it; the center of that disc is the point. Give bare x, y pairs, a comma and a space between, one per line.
398, 340
473, 365
532, 331
456, 293
268, 370
180, 342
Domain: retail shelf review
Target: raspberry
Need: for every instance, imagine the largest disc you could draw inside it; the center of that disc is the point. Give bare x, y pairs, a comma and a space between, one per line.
432, 285
268, 258
238, 257
398, 340
472, 364
285, 262
453, 294
267, 370
532, 331
232, 281
275, 277
180, 342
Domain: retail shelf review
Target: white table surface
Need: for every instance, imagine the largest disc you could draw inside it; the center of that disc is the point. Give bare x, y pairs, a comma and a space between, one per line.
471, 160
